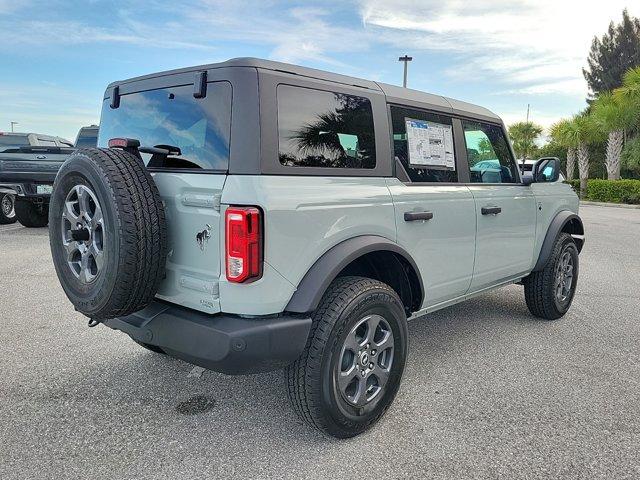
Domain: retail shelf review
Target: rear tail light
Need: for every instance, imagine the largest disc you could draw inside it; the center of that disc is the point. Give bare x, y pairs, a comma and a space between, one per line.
243, 244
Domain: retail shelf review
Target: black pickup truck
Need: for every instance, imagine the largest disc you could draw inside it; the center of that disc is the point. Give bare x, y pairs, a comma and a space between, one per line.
29, 163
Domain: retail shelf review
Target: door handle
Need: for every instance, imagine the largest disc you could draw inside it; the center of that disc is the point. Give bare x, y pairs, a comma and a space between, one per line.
490, 210
413, 216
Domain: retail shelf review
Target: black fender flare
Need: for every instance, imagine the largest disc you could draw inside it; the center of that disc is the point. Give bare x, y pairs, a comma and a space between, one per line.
315, 282
558, 224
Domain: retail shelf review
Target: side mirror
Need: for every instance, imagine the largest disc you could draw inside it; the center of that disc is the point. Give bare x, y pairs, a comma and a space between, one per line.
546, 170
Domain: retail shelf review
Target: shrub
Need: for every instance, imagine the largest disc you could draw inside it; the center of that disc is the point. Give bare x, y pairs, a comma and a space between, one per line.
613, 191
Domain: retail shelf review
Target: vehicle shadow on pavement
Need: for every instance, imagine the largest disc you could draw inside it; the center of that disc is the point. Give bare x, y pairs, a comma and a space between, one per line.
124, 384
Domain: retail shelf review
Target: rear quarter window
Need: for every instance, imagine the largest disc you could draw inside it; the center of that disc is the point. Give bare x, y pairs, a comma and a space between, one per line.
319, 128
199, 127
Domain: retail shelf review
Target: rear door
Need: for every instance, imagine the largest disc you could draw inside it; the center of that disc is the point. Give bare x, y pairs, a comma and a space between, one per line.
435, 213
505, 209
190, 183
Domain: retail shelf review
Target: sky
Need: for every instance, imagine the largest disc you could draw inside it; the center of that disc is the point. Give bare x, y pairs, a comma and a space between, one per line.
57, 56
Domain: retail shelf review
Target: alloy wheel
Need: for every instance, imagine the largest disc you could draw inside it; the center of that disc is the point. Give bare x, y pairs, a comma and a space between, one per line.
365, 362
8, 206
83, 233
564, 277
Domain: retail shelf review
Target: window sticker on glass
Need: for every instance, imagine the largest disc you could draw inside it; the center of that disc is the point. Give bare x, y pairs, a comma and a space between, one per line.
430, 144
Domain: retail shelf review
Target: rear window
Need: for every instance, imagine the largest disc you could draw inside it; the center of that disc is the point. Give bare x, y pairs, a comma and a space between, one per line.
8, 142
324, 129
199, 127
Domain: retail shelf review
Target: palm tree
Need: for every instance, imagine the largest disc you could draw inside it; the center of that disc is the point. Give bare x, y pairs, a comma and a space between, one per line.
523, 136
578, 133
560, 133
613, 116
629, 92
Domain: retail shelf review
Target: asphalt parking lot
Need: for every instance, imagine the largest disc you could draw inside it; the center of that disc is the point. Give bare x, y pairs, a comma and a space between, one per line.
489, 391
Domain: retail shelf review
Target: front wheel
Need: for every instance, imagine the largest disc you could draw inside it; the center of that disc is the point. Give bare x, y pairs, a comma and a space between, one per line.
7, 208
549, 292
350, 370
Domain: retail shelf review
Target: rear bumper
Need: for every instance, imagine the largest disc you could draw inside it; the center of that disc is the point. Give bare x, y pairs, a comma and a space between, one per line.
224, 343
26, 190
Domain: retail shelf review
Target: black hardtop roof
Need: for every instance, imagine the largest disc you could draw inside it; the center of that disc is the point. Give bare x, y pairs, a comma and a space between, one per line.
394, 93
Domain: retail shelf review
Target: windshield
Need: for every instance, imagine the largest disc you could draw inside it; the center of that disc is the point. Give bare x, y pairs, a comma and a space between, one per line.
9, 142
199, 127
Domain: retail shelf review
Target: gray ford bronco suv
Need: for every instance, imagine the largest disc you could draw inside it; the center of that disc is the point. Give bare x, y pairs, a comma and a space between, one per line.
251, 215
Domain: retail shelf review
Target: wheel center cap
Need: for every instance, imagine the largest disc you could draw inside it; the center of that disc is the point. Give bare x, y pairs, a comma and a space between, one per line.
364, 358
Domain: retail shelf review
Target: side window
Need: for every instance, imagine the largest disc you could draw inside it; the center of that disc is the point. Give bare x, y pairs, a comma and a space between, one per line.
423, 144
324, 129
490, 159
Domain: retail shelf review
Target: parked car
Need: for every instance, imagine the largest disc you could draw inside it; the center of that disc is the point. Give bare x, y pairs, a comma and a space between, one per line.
251, 215
87, 137
7, 207
28, 165
526, 166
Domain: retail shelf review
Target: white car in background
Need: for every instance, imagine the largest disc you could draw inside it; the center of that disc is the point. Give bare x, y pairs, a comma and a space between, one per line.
526, 166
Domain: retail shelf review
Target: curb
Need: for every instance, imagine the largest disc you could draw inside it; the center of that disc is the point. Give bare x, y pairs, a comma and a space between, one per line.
605, 204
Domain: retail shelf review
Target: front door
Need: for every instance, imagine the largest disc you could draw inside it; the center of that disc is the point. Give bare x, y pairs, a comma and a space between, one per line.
505, 209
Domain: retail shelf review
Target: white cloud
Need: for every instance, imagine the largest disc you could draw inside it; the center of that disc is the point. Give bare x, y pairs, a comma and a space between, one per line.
539, 46
10, 6
295, 35
34, 110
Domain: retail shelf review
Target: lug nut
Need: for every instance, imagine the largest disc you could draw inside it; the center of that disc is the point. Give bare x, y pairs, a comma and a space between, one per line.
373, 352
363, 373
371, 365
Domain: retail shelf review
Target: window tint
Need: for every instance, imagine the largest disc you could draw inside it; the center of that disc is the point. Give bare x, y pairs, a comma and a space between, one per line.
8, 142
324, 129
421, 173
200, 128
488, 152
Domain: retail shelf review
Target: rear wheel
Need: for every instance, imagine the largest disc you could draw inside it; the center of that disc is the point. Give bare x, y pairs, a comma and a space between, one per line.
30, 214
350, 370
7, 208
549, 292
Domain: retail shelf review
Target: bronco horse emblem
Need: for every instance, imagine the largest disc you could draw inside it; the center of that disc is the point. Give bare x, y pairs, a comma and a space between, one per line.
203, 237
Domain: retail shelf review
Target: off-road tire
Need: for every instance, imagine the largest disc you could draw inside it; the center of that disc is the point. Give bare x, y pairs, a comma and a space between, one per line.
539, 287
31, 215
310, 383
7, 217
135, 241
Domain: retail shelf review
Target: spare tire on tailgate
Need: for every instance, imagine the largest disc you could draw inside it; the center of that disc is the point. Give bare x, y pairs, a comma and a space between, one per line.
107, 232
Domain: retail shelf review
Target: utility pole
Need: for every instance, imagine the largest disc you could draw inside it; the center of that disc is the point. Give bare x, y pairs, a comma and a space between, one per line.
528, 105
12, 124
406, 59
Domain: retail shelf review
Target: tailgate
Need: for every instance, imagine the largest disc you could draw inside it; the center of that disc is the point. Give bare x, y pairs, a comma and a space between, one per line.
30, 167
192, 206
